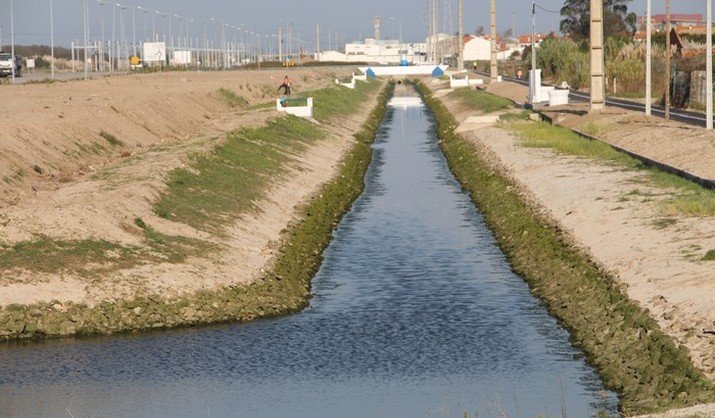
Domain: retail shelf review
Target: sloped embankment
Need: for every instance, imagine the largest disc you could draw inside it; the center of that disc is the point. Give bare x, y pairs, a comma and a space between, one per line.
632, 354
200, 196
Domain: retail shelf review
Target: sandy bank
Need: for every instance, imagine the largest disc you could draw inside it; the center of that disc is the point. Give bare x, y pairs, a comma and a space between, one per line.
103, 203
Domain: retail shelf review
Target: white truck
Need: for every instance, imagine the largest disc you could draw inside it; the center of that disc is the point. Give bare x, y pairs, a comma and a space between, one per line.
6, 64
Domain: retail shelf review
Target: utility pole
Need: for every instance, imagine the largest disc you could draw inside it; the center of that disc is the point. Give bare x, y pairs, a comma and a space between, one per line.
280, 43
667, 60
493, 24
709, 67
649, 59
598, 86
317, 39
533, 37
290, 40
460, 36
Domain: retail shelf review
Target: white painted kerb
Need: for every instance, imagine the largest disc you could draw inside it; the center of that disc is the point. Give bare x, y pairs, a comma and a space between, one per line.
300, 111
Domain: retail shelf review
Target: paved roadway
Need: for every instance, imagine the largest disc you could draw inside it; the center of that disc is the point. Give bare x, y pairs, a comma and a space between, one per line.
685, 116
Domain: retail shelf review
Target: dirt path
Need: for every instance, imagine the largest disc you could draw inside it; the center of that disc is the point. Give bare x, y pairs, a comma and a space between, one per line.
677, 144
595, 202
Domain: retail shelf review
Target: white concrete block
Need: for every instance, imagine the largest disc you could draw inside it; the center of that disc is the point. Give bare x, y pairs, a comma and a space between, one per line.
558, 97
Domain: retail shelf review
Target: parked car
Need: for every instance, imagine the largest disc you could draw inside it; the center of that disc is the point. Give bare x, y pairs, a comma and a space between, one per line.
6, 63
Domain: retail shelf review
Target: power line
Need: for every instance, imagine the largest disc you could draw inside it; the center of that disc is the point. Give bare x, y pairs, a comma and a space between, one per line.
547, 10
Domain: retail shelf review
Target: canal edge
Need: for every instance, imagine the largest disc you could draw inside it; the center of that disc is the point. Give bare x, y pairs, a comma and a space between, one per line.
283, 290
619, 338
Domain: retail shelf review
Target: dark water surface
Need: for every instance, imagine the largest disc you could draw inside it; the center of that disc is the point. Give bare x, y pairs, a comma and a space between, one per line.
415, 313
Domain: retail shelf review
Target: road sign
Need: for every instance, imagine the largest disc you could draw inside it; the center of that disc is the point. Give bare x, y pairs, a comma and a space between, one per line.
154, 51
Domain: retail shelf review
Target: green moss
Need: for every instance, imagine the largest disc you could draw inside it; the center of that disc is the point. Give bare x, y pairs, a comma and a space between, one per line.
709, 256
633, 356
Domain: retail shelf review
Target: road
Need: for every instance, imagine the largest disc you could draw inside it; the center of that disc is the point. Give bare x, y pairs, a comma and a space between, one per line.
39, 76
685, 116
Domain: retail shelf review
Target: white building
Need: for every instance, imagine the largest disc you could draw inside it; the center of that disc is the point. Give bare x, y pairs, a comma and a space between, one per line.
374, 51
478, 48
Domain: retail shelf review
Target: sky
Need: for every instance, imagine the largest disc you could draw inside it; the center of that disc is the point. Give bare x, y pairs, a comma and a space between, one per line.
345, 19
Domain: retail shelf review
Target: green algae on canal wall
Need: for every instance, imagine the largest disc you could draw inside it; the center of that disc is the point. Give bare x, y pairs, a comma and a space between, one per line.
633, 356
284, 290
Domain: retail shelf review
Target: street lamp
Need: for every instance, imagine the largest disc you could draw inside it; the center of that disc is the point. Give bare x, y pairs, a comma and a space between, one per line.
144, 11
399, 22
12, 40
102, 3
122, 42
52, 39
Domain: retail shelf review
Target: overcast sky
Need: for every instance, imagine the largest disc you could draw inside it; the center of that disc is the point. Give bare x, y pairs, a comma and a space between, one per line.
352, 19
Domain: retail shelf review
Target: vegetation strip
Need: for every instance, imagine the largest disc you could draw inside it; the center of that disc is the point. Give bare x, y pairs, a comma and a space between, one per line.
633, 356
285, 290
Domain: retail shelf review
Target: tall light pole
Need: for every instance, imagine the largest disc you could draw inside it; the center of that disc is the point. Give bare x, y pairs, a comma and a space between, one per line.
113, 49
493, 24
317, 39
52, 39
12, 40
649, 59
122, 38
154, 35
598, 85
280, 43
101, 55
134, 31
86, 38
709, 67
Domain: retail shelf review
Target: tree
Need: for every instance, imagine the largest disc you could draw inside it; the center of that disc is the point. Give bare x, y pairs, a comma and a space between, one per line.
616, 18
508, 34
479, 31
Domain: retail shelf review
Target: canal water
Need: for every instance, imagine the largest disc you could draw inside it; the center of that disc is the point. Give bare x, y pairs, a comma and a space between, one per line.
415, 313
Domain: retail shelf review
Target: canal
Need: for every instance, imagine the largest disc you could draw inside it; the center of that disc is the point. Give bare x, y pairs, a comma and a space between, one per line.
415, 313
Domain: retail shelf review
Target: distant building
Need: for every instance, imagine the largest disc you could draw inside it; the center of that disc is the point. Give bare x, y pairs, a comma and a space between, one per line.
388, 51
676, 19
479, 48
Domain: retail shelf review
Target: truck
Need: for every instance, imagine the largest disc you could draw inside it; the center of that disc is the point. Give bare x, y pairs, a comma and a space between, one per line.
6, 64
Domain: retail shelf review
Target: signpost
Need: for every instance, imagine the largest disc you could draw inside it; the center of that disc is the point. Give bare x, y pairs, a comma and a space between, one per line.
154, 52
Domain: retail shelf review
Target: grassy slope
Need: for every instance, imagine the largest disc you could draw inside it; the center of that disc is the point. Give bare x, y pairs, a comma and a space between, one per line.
212, 191
632, 354
284, 290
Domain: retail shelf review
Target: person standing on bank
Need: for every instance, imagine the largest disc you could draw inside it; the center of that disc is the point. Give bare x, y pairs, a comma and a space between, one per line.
285, 86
